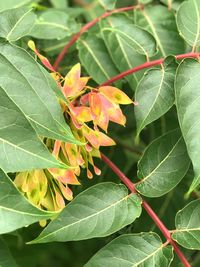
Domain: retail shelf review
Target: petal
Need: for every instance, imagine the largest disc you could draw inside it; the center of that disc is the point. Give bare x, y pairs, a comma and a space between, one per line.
95, 105
56, 148
91, 135
73, 82
72, 153
105, 140
117, 116
82, 114
66, 191
115, 95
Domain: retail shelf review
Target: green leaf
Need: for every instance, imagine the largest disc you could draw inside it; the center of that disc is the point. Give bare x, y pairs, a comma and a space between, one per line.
95, 58
15, 210
127, 44
188, 226
145, 1
21, 149
16, 23
174, 4
159, 21
24, 82
163, 165
108, 4
6, 259
60, 4
155, 94
54, 24
188, 17
98, 211
8, 4
144, 249
187, 88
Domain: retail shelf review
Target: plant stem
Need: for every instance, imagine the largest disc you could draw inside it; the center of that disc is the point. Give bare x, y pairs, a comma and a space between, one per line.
87, 27
147, 65
148, 209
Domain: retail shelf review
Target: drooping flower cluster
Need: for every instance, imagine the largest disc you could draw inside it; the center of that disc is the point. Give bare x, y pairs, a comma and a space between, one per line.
87, 110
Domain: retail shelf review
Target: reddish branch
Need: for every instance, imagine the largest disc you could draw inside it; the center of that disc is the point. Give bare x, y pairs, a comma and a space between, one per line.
148, 209
87, 27
147, 65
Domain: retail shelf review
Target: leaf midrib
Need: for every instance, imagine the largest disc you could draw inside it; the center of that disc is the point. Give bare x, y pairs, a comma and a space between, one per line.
53, 24
32, 89
165, 158
83, 219
95, 58
162, 71
154, 32
21, 18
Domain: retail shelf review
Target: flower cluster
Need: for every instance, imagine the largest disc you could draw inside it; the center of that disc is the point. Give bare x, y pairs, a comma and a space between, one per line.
87, 110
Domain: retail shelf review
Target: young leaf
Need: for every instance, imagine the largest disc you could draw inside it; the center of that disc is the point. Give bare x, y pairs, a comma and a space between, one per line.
163, 165
155, 94
6, 259
98, 211
127, 44
159, 21
188, 226
187, 94
16, 23
15, 210
54, 24
24, 82
188, 17
95, 58
21, 149
144, 249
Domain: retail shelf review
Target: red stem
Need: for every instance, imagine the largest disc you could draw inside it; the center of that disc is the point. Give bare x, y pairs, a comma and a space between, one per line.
85, 28
148, 209
147, 65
